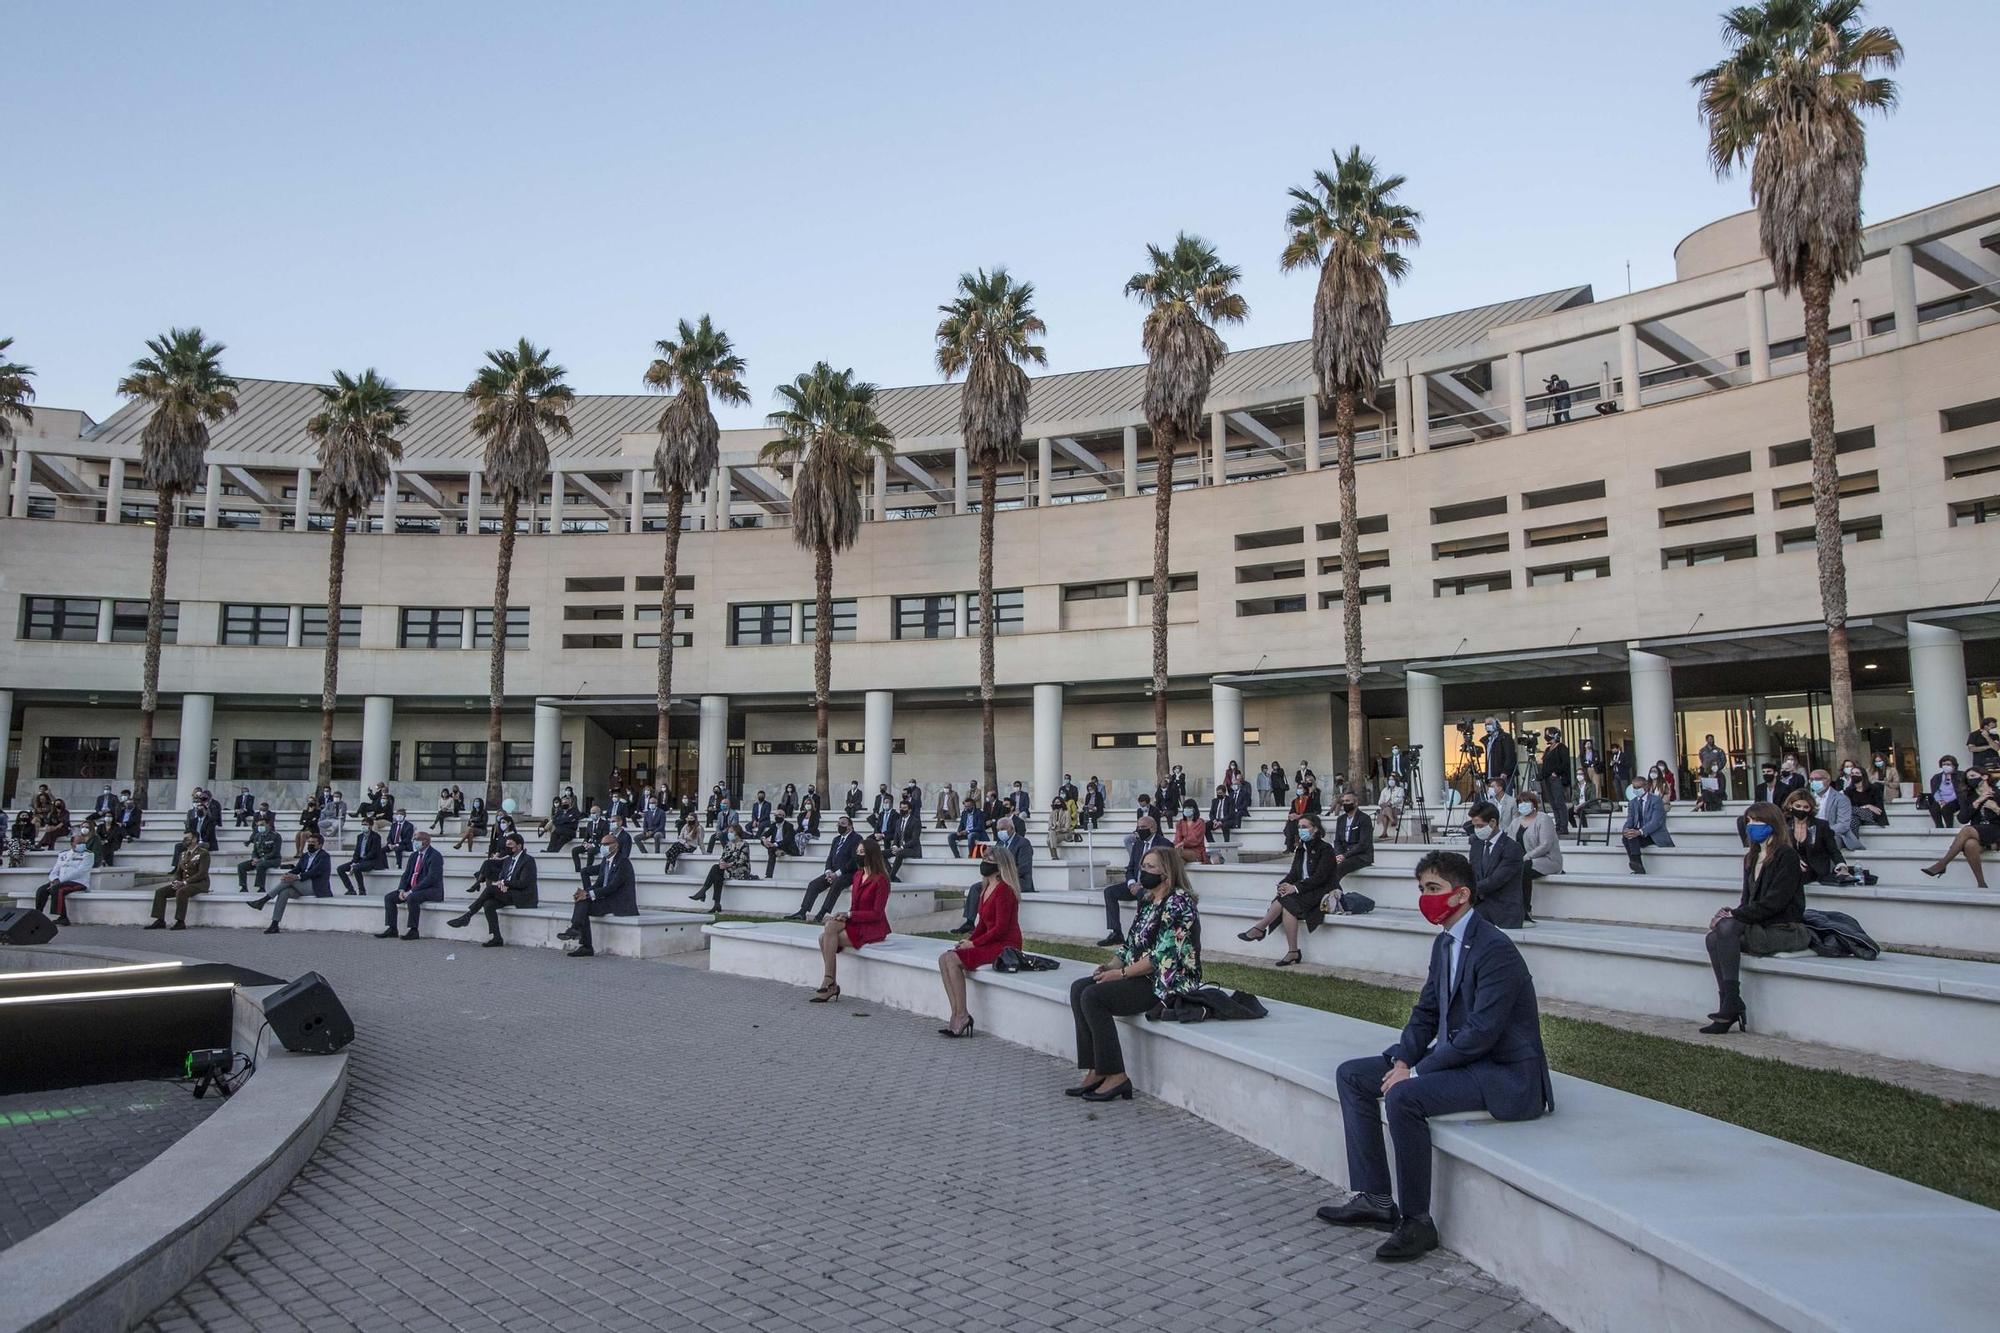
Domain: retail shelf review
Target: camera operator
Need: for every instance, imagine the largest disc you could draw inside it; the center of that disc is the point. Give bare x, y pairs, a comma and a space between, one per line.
1556, 775
1500, 754
1557, 389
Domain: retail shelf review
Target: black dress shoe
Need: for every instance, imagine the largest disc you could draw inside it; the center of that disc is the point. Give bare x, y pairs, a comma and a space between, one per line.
460, 922
569, 934
1111, 941
961, 930
157, 925
796, 916
493, 943
1358, 1212
410, 934
271, 929
581, 951
388, 934
62, 919
1412, 1238
258, 903
178, 925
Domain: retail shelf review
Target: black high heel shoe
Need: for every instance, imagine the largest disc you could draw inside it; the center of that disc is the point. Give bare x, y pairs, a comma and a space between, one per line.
1739, 1019
965, 1031
1293, 957
1253, 935
1123, 1092
1931, 871
1082, 1089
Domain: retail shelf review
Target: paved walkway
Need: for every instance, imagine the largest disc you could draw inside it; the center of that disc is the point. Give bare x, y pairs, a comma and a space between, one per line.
533, 1143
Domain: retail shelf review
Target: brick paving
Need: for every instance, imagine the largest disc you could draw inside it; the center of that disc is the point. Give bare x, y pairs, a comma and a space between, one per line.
60, 1149
533, 1143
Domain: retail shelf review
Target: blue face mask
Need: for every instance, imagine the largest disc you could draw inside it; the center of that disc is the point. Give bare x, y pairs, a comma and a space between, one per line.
1756, 831
1307, 835
1818, 785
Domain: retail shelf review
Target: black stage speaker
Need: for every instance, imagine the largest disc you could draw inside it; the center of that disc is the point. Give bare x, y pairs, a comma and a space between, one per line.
24, 925
306, 1015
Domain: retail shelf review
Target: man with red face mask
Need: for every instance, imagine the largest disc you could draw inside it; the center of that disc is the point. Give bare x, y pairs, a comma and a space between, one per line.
1474, 1043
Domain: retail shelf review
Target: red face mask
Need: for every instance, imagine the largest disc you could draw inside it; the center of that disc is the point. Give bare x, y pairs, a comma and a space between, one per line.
1436, 907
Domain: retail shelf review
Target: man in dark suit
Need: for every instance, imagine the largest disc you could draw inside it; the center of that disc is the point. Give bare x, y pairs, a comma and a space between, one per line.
1352, 837
843, 856
760, 816
245, 806
907, 837
1496, 868
203, 822
402, 833
619, 834
422, 883
884, 805
107, 803
369, 854
1474, 1043
1500, 753
310, 874
508, 880
971, 828
1645, 824
653, 826
1557, 777
615, 894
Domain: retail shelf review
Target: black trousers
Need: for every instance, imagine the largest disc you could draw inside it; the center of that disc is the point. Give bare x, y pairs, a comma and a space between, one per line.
1528, 877
831, 884
492, 898
579, 918
714, 881
896, 865
1094, 1004
1632, 849
1725, 951
359, 884
1087, 818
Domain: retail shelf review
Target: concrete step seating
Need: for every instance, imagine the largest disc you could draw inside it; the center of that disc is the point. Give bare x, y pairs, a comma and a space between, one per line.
1614, 1213
1942, 1011
648, 935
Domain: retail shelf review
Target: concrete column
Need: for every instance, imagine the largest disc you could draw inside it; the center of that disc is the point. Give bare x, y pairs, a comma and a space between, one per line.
197, 729
24, 471
1405, 400
636, 486
295, 627
1517, 395
1420, 413
961, 482
465, 636
712, 763
880, 483
388, 507
1218, 445
211, 500
1131, 460
114, 493
1628, 369
472, 480
1937, 686
1653, 733
302, 502
105, 607
1903, 299
962, 614
378, 724
556, 488
1048, 744
6, 480
1131, 601
1226, 721
1045, 458
6, 741
1757, 328
799, 620
547, 770
1312, 432
1761, 748
878, 739
718, 500
1423, 706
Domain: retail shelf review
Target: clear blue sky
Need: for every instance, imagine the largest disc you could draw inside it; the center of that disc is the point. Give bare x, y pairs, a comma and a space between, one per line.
405, 185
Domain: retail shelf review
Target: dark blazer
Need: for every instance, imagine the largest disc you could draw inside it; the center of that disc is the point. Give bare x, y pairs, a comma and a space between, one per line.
1776, 896
402, 834
1555, 764
107, 804
1239, 800
1019, 800
911, 835
1496, 880
852, 801
760, 814
1819, 850
1140, 847
1786, 784
369, 854
427, 867
1496, 1030
617, 889
1313, 873
841, 853
1500, 756
245, 803
973, 822
654, 818
522, 883
1024, 860
313, 868
1353, 839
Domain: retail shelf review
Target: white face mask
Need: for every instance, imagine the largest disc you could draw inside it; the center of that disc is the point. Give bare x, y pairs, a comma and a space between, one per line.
1483, 832
1527, 811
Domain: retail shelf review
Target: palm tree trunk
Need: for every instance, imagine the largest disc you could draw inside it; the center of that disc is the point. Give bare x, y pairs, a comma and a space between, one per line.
149, 686
496, 668
669, 576
1817, 291
1350, 589
989, 481
329, 680
1163, 507
822, 662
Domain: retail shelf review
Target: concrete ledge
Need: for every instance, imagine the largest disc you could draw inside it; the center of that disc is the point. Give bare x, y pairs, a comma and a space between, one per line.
1616, 1213
115, 1260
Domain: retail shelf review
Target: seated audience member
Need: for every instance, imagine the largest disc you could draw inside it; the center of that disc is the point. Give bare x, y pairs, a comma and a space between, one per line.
310, 875
842, 856
866, 921
652, 827
615, 893
190, 880
1982, 832
1818, 846
1091, 813
1222, 815
475, 824
620, 835
371, 852
1645, 823
1127, 888
1948, 799
55, 827
1191, 831
971, 829
1389, 809
909, 839
444, 810
686, 840
1473, 1043
561, 824
1866, 795
1012, 832
1305, 802
1062, 821
780, 839
1770, 919
1350, 836
70, 874
266, 854
999, 929
732, 864
101, 840
1541, 851
1160, 959
946, 813
401, 836
422, 883
1496, 868
1835, 810
513, 884
1301, 894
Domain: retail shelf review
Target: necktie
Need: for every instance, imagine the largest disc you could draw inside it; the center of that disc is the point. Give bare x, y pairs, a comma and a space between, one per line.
416, 865
1445, 943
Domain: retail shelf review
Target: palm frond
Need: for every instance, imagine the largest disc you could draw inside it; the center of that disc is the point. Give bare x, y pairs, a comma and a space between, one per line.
356, 430
988, 332
519, 400
182, 381
829, 435
699, 361
1349, 225
1188, 291
16, 392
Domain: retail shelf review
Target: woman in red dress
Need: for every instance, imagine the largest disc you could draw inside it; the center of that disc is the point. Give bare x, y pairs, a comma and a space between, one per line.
866, 921
999, 928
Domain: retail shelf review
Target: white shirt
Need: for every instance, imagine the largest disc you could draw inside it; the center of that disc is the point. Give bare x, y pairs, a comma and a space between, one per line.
72, 867
1825, 799
1451, 953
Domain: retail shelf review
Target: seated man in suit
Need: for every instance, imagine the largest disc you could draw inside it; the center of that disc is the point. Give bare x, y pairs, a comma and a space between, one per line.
422, 883
401, 835
1645, 822
190, 878
843, 857
615, 894
652, 826
1474, 1043
1352, 837
266, 855
369, 854
971, 828
619, 834
245, 805
1835, 809
589, 841
1496, 867
310, 874
908, 838
512, 884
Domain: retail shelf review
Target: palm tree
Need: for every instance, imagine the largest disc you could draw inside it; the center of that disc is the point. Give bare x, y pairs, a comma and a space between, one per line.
830, 436
518, 400
1187, 291
15, 394
1788, 99
988, 331
182, 381
1348, 224
355, 428
699, 362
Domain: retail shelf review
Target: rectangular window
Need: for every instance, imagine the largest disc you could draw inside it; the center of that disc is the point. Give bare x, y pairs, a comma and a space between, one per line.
1251, 736
128, 622
759, 624
312, 627
1175, 583
1975, 464
1702, 469
654, 582
432, 627
1967, 415
1369, 597
785, 747
1794, 497
1008, 611
1852, 531
517, 627
1093, 592
1121, 740
596, 641
1706, 511
1844, 442
451, 761
346, 761
69, 619
858, 745
1365, 526
653, 640
1562, 495
1500, 581
80, 757
1271, 571
597, 613
273, 761
1271, 606
1458, 513
1708, 553
517, 762
1330, 564
166, 757
927, 617
259, 626
1257, 541
1558, 534
597, 583
1575, 572
1972, 512
1492, 543
650, 612
843, 620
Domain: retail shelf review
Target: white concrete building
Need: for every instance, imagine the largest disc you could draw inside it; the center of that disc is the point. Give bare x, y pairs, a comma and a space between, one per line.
1641, 570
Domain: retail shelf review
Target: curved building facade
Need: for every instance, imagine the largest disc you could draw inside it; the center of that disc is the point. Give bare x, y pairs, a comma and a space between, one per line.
1630, 558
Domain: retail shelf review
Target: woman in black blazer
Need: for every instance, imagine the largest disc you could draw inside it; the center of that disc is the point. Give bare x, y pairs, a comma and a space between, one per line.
1302, 892
1818, 847
1982, 830
1769, 920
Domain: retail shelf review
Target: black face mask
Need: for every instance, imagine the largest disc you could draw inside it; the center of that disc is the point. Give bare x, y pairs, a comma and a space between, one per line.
989, 867
1348, 809
1150, 879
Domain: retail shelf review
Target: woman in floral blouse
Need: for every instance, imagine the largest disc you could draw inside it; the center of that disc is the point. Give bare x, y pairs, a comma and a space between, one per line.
734, 863
1161, 958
